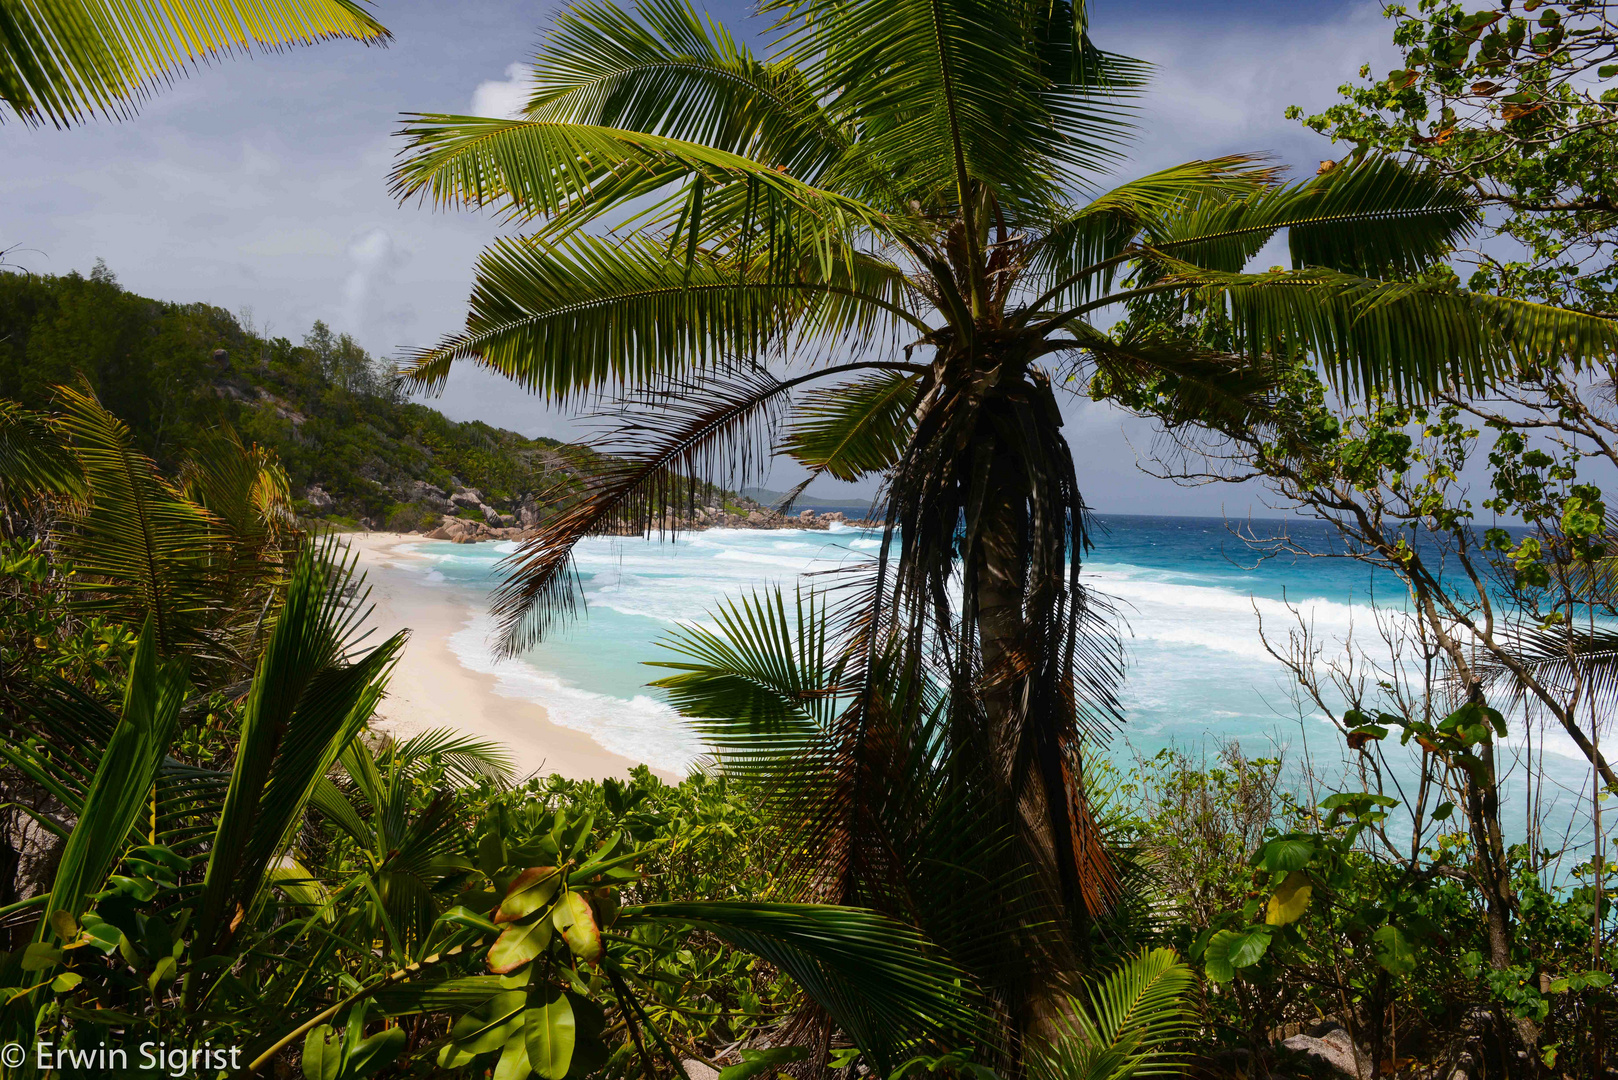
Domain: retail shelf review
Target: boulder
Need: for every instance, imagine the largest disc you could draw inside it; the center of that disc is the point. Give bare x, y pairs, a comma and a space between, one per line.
490, 515
469, 498
807, 515
835, 515
1336, 1049
317, 498
528, 516
430, 495
757, 517
439, 533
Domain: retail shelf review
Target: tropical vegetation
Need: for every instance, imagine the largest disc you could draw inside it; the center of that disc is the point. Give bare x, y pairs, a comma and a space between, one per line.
913, 850
325, 408
65, 61
871, 239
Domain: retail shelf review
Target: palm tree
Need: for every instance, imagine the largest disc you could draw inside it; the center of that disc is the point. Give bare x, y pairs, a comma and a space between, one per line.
203, 557
867, 250
62, 61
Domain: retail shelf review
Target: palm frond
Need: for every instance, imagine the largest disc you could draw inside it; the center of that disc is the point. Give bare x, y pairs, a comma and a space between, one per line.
669, 444
140, 547
877, 978
123, 779
464, 758
1127, 1026
1179, 381
589, 315
950, 93
34, 456
1405, 338
855, 429
530, 168
665, 70
761, 666
1562, 659
62, 61
1078, 256
1375, 218
305, 705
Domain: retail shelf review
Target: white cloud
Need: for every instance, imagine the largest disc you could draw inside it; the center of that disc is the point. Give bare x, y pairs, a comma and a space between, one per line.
504, 97
1219, 91
376, 259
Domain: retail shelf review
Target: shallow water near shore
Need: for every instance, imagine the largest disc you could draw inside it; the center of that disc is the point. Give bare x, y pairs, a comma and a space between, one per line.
1190, 598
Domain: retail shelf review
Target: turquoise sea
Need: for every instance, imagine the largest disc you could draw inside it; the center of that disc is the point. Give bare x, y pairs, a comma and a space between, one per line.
1191, 598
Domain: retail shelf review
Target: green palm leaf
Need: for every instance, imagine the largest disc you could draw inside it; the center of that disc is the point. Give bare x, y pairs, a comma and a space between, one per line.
1125, 1029
34, 457
877, 978
1407, 338
762, 665
545, 167
141, 548
63, 60
701, 426
589, 314
950, 93
305, 705
1377, 217
665, 70
855, 429
1079, 255
122, 784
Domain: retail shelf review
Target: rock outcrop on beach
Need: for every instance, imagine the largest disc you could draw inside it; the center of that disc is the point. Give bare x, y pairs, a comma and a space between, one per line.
493, 526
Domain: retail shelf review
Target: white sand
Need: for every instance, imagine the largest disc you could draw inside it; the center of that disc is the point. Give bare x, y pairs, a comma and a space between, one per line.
431, 689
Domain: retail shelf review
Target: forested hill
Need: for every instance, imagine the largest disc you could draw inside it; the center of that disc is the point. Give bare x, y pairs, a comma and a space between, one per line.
352, 446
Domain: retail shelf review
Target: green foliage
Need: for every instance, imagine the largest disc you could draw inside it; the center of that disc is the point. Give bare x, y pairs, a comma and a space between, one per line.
61, 63
180, 375
1517, 103
1127, 1028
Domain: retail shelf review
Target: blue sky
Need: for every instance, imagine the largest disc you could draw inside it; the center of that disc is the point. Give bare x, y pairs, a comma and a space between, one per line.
259, 185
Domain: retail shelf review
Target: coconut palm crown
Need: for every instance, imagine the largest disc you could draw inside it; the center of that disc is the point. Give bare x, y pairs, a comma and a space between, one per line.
880, 249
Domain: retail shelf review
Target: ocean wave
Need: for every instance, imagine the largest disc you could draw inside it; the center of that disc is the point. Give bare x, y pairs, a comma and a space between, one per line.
640, 728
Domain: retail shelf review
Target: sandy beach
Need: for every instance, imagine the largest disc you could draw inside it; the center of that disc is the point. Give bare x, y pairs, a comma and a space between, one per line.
430, 688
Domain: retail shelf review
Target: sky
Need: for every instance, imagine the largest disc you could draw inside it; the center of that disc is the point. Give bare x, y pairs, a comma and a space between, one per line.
259, 184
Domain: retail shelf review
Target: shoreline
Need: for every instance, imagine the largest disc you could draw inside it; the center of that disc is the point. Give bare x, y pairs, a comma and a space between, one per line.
431, 688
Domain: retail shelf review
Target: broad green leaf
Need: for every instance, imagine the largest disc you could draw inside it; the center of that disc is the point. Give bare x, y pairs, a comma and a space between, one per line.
532, 890
577, 922
66, 927
755, 1062
490, 1024
1290, 901
322, 1054
590, 1051
464, 916
452, 1057
1393, 950
519, 944
375, 1053
513, 1063
1286, 854
1249, 946
1216, 958
37, 956
550, 1031
1230, 950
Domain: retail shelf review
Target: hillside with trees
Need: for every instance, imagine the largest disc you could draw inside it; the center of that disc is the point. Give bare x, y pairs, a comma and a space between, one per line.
355, 449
